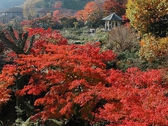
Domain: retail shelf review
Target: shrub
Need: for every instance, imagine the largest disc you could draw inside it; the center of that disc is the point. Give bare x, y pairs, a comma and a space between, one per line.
122, 38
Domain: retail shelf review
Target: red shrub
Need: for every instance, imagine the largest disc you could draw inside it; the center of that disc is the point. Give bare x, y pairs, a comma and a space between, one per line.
75, 82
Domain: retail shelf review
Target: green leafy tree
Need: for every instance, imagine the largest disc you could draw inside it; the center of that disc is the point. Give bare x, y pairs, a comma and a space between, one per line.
48, 3
29, 9
16, 23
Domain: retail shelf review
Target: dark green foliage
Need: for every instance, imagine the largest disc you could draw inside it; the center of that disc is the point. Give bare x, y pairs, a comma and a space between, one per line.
74, 4
69, 4
159, 28
46, 3
15, 23
69, 22
8, 115
127, 59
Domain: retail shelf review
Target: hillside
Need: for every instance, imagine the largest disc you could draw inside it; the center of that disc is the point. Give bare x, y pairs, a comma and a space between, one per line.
69, 4
75, 4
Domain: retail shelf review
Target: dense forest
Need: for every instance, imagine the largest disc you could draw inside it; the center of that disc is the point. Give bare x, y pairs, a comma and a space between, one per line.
69, 4
75, 4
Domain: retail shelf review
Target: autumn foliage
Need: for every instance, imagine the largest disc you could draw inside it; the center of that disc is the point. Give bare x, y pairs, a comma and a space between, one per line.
72, 81
117, 6
88, 10
153, 48
146, 19
151, 25
7, 78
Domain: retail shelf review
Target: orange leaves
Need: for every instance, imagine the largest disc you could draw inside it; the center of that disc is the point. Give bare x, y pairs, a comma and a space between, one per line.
77, 83
66, 109
74, 82
153, 48
7, 78
147, 106
89, 9
79, 15
4, 95
37, 31
144, 79
112, 112
45, 36
84, 98
134, 97
64, 73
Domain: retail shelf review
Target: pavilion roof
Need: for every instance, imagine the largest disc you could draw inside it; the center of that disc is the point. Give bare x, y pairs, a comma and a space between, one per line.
112, 17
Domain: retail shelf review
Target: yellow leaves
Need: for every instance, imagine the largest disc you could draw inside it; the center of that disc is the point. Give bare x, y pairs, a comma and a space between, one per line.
29, 8
145, 17
152, 48
142, 43
140, 12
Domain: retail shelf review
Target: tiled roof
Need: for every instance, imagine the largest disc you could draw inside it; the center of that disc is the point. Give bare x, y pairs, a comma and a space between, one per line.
113, 17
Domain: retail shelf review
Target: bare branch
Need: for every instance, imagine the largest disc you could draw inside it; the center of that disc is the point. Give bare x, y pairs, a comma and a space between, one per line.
16, 44
31, 44
10, 44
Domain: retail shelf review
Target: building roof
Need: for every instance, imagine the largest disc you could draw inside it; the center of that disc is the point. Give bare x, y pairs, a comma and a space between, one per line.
45, 9
112, 17
14, 9
18, 9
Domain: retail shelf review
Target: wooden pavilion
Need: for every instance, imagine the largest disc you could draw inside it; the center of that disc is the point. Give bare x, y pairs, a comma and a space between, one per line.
111, 21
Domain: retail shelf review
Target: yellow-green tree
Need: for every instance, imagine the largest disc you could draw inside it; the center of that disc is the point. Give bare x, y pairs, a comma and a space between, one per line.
29, 9
153, 48
148, 16
150, 19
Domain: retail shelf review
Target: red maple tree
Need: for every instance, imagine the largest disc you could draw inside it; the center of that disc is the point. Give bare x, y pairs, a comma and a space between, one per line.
67, 74
117, 6
71, 81
7, 79
88, 10
135, 98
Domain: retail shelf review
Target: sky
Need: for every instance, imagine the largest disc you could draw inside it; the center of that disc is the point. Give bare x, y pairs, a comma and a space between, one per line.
5, 4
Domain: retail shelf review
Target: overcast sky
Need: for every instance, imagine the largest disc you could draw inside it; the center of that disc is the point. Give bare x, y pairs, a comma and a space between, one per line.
5, 4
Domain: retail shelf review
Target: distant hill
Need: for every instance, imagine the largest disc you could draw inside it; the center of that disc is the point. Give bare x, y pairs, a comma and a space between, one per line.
69, 4
74, 4
5, 4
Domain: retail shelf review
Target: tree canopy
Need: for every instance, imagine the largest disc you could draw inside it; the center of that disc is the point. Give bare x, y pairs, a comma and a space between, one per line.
149, 16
